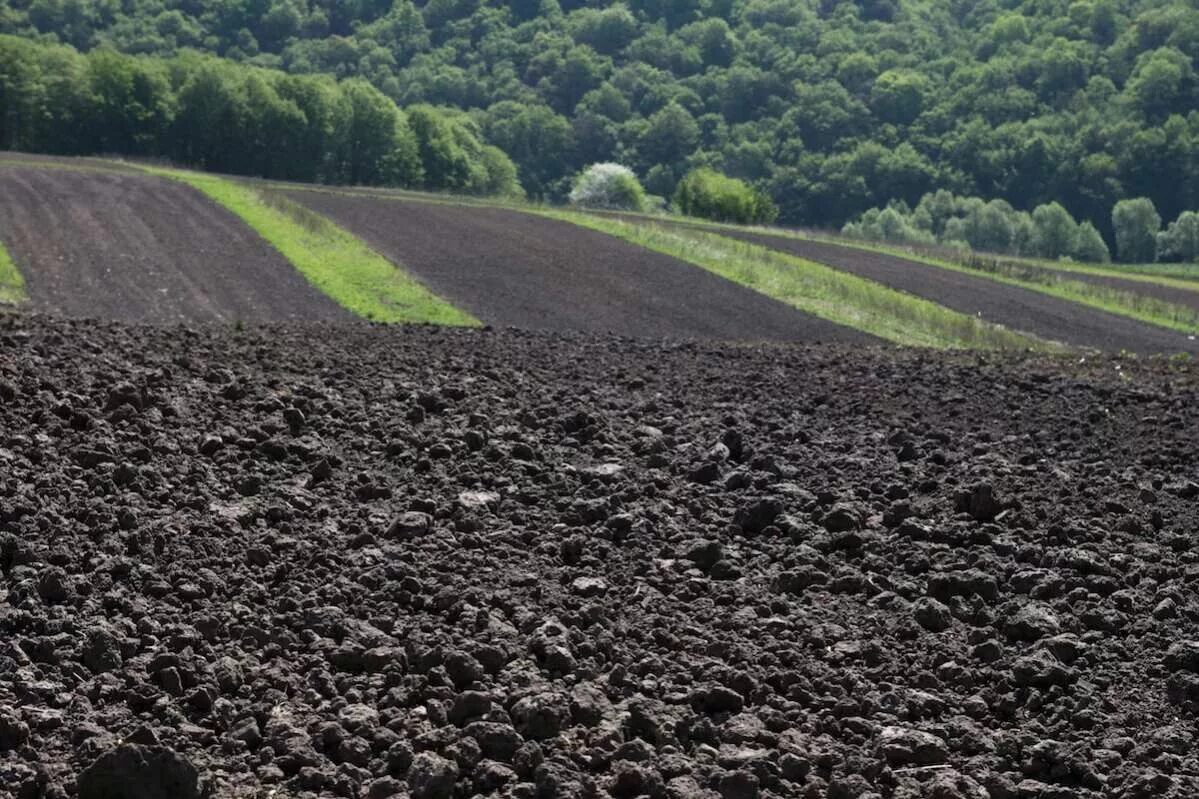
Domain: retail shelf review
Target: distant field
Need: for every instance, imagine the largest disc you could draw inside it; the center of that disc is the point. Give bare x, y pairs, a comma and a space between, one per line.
511, 268
399, 256
332, 259
134, 247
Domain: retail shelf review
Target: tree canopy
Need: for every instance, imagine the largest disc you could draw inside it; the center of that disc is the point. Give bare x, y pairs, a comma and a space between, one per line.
831, 107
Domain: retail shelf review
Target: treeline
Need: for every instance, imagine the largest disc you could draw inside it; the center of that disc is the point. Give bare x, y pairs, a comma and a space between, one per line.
994, 226
202, 111
831, 107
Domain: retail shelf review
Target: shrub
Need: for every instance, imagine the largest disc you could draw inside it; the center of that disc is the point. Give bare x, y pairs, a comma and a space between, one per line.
608, 185
1136, 223
888, 225
1180, 241
1056, 233
1090, 246
707, 193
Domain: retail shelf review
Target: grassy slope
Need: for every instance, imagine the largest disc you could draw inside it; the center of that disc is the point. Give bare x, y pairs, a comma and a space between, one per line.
333, 260
12, 285
816, 289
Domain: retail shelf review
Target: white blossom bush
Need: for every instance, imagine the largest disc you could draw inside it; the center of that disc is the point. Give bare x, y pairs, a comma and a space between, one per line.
608, 185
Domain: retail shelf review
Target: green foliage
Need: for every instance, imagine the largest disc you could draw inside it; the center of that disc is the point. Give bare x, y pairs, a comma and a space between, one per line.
706, 193
609, 186
1055, 231
831, 107
1180, 241
1090, 247
1136, 223
12, 284
971, 224
225, 117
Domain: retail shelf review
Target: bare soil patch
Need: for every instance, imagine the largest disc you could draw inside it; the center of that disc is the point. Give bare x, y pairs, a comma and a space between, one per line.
510, 268
139, 248
353, 561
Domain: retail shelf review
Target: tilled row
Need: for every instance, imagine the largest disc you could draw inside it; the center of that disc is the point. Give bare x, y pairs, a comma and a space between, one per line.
358, 561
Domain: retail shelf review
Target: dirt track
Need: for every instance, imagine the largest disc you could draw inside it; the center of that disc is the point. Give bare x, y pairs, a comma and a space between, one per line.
515, 269
1011, 306
369, 562
144, 249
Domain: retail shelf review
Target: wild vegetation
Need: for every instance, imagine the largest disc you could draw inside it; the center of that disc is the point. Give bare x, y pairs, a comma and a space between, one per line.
830, 106
332, 259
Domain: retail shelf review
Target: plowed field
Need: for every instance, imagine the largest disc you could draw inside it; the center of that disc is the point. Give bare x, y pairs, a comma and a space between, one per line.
514, 269
144, 249
345, 561
1012, 306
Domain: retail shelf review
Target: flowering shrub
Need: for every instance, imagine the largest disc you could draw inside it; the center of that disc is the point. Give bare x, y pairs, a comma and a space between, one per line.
608, 186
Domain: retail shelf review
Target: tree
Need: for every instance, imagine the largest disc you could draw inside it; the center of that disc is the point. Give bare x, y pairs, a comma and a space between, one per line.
1163, 80
990, 226
129, 104
534, 136
898, 96
608, 185
1090, 247
1136, 223
378, 146
706, 193
670, 137
1056, 231
1180, 241
608, 31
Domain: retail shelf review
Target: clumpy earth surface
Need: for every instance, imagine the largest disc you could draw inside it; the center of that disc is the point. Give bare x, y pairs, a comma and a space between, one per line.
366, 562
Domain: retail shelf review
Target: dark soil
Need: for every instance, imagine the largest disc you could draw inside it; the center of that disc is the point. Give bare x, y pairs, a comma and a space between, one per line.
1011, 306
1188, 298
140, 248
515, 269
410, 562
14, 157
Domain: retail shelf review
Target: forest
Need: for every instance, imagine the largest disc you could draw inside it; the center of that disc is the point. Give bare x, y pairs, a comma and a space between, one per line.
829, 108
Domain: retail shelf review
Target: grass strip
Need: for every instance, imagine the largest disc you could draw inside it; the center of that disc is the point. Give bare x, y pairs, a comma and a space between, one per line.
816, 289
12, 285
1178, 276
1175, 275
331, 258
1141, 307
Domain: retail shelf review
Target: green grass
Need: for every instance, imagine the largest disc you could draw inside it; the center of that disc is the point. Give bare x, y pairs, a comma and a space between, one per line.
333, 260
815, 289
1177, 275
80, 166
1141, 307
12, 285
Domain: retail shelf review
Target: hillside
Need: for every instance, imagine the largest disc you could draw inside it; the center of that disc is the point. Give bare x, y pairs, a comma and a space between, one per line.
834, 107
